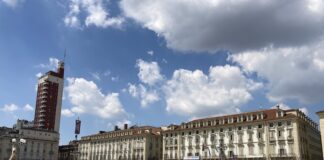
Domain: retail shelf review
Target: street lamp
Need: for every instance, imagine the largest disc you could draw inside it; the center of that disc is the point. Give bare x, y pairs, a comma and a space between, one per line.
15, 144
221, 148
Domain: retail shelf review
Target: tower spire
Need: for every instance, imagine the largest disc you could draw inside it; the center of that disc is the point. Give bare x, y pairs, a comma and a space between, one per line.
64, 55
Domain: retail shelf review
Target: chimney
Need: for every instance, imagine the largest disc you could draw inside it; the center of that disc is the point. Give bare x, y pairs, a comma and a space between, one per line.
116, 128
125, 126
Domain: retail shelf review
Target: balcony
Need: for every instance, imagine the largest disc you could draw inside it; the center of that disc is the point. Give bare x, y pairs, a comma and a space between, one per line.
42, 120
260, 140
281, 138
43, 101
44, 96
42, 115
197, 147
290, 139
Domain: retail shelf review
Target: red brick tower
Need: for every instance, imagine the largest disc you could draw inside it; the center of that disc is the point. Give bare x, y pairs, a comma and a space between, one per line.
49, 99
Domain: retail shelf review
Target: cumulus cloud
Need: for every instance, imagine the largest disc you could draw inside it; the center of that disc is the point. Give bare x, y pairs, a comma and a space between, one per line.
12, 3
145, 95
86, 97
221, 91
10, 107
149, 72
52, 64
67, 113
151, 53
96, 14
290, 72
39, 74
28, 107
235, 25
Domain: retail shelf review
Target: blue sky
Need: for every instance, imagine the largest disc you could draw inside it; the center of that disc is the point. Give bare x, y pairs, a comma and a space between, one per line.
161, 62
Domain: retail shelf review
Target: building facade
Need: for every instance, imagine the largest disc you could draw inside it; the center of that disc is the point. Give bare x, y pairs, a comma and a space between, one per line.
69, 152
40, 144
321, 116
265, 134
135, 143
49, 99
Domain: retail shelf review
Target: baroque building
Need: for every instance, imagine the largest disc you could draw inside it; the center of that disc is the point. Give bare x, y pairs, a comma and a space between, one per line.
264, 134
69, 151
321, 116
136, 143
40, 144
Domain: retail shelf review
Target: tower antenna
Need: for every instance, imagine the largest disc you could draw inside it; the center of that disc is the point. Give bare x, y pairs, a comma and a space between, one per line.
64, 55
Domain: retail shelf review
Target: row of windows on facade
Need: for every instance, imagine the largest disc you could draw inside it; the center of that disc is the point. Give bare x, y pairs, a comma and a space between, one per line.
34, 134
241, 118
108, 157
109, 135
229, 129
118, 140
259, 136
251, 151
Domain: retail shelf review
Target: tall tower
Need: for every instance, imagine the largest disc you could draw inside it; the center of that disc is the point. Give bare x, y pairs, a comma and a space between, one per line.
49, 99
321, 116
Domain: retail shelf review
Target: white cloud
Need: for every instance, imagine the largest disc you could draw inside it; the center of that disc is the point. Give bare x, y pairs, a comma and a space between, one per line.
12, 3
86, 97
28, 107
236, 25
39, 74
290, 72
222, 91
146, 96
67, 113
149, 72
95, 12
115, 79
10, 107
96, 76
151, 53
286, 107
52, 64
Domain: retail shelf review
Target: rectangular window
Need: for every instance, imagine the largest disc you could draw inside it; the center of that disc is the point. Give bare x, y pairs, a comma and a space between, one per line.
251, 150
241, 151
260, 126
279, 123
271, 125
261, 150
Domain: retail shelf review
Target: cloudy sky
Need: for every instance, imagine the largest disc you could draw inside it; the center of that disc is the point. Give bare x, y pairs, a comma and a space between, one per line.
152, 62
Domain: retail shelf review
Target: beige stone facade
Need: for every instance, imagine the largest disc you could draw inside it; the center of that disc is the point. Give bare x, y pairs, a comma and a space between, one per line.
40, 144
265, 134
136, 143
321, 116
